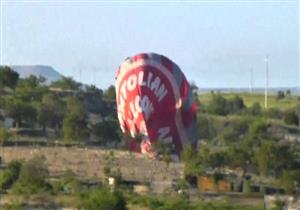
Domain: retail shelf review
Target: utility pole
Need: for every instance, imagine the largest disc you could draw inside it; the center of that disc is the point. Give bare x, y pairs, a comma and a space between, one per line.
267, 80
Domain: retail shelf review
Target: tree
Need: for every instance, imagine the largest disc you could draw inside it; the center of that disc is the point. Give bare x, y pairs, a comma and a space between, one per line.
264, 157
74, 124
8, 77
50, 112
74, 127
205, 127
75, 105
30, 89
20, 111
217, 105
107, 131
66, 83
192, 166
110, 93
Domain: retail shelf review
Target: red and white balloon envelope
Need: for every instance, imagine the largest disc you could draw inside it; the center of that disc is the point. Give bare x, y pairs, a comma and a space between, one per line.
154, 99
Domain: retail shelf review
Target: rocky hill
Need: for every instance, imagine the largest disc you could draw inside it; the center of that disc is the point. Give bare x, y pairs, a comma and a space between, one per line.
48, 72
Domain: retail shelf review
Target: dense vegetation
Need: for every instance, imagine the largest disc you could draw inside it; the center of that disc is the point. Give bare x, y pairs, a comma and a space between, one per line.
236, 134
65, 110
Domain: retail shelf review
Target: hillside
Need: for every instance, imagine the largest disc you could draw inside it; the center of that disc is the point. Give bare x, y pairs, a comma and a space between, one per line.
48, 72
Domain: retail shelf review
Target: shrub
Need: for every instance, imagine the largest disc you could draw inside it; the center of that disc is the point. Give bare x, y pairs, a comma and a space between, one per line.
273, 113
234, 105
291, 118
67, 184
205, 127
258, 128
217, 105
10, 175
32, 178
177, 204
280, 95
290, 180
255, 109
4, 135
103, 199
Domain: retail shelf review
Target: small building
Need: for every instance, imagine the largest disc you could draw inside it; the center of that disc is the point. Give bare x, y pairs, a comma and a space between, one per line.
207, 184
6, 121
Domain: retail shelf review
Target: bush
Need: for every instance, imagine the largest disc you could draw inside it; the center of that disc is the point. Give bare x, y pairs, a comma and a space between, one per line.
32, 178
67, 184
4, 135
280, 95
255, 109
205, 127
103, 199
273, 113
291, 118
258, 128
217, 105
177, 204
10, 175
290, 180
234, 105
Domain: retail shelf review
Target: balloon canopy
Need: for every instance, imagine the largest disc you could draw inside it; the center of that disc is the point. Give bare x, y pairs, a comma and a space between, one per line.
155, 101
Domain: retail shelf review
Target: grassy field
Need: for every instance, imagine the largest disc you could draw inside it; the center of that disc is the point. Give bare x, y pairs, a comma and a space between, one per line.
249, 99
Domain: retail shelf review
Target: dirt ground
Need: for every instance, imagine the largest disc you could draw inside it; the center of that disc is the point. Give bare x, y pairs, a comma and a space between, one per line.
88, 163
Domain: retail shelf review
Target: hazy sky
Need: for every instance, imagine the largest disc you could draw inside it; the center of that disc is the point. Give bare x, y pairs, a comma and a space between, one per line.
215, 44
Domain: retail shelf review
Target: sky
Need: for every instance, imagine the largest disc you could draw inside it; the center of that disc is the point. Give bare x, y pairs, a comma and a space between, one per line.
216, 44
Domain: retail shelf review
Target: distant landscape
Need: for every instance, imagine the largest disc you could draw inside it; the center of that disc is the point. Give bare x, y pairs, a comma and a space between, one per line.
61, 141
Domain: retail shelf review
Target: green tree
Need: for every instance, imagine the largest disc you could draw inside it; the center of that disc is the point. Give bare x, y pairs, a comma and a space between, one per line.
74, 127
217, 105
205, 127
66, 83
107, 131
75, 105
50, 112
264, 157
258, 130
74, 124
110, 93
21, 112
30, 89
8, 77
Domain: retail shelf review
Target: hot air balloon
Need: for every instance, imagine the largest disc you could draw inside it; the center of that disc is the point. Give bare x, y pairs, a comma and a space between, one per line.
154, 100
